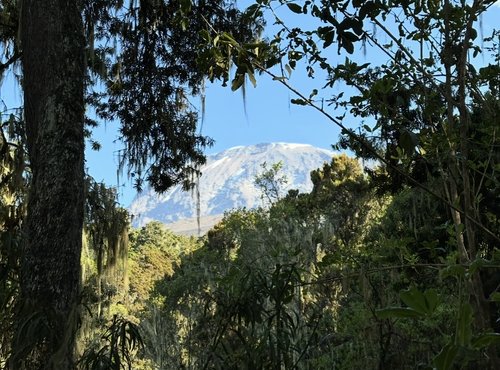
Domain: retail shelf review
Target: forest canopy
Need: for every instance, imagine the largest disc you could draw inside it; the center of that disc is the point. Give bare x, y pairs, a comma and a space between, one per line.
395, 265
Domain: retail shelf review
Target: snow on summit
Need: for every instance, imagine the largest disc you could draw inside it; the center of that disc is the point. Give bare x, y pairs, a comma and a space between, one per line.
227, 182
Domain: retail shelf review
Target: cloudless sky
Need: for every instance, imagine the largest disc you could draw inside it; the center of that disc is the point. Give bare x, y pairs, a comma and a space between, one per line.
269, 118
269, 115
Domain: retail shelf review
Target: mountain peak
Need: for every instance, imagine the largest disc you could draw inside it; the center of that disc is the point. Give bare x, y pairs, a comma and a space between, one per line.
227, 182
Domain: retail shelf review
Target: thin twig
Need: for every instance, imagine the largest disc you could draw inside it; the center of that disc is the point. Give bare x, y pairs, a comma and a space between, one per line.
14, 58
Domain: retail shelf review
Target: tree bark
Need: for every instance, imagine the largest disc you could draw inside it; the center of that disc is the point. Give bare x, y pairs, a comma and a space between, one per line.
53, 82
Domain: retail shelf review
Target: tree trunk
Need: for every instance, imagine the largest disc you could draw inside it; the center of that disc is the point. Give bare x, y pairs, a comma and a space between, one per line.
53, 82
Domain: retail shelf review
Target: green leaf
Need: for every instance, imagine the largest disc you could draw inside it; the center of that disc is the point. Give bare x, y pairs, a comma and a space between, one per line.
369, 9
294, 8
185, 6
253, 10
96, 146
348, 46
477, 264
251, 77
238, 81
328, 38
486, 340
454, 270
473, 34
397, 312
205, 35
495, 297
299, 102
408, 141
357, 27
464, 325
349, 36
431, 300
229, 39
415, 299
445, 358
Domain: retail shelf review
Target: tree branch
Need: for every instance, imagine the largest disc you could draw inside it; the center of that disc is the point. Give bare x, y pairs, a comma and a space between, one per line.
372, 150
14, 58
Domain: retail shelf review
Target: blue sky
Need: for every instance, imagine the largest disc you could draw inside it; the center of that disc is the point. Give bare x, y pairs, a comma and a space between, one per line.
269, 115
269, 118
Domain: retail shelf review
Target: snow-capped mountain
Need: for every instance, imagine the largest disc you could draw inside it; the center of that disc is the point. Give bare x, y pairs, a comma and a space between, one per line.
227, 182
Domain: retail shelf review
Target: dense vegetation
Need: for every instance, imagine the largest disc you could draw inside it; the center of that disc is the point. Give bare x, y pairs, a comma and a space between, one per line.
77, 63
392, 266
343, 277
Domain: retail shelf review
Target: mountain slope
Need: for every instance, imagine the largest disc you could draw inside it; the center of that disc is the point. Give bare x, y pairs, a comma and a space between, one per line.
227, 182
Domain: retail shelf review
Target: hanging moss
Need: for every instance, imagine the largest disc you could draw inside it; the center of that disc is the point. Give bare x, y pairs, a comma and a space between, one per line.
104, 261
106, 226
13, 189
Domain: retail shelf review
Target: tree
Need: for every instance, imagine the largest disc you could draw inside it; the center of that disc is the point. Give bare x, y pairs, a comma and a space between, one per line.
143, 82
53, 64
155, 251
106, 337
262, 291
270, 183
340, 193
418, 109
13, 193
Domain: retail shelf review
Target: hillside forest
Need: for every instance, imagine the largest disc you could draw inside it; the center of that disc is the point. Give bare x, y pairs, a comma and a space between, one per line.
392, 261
